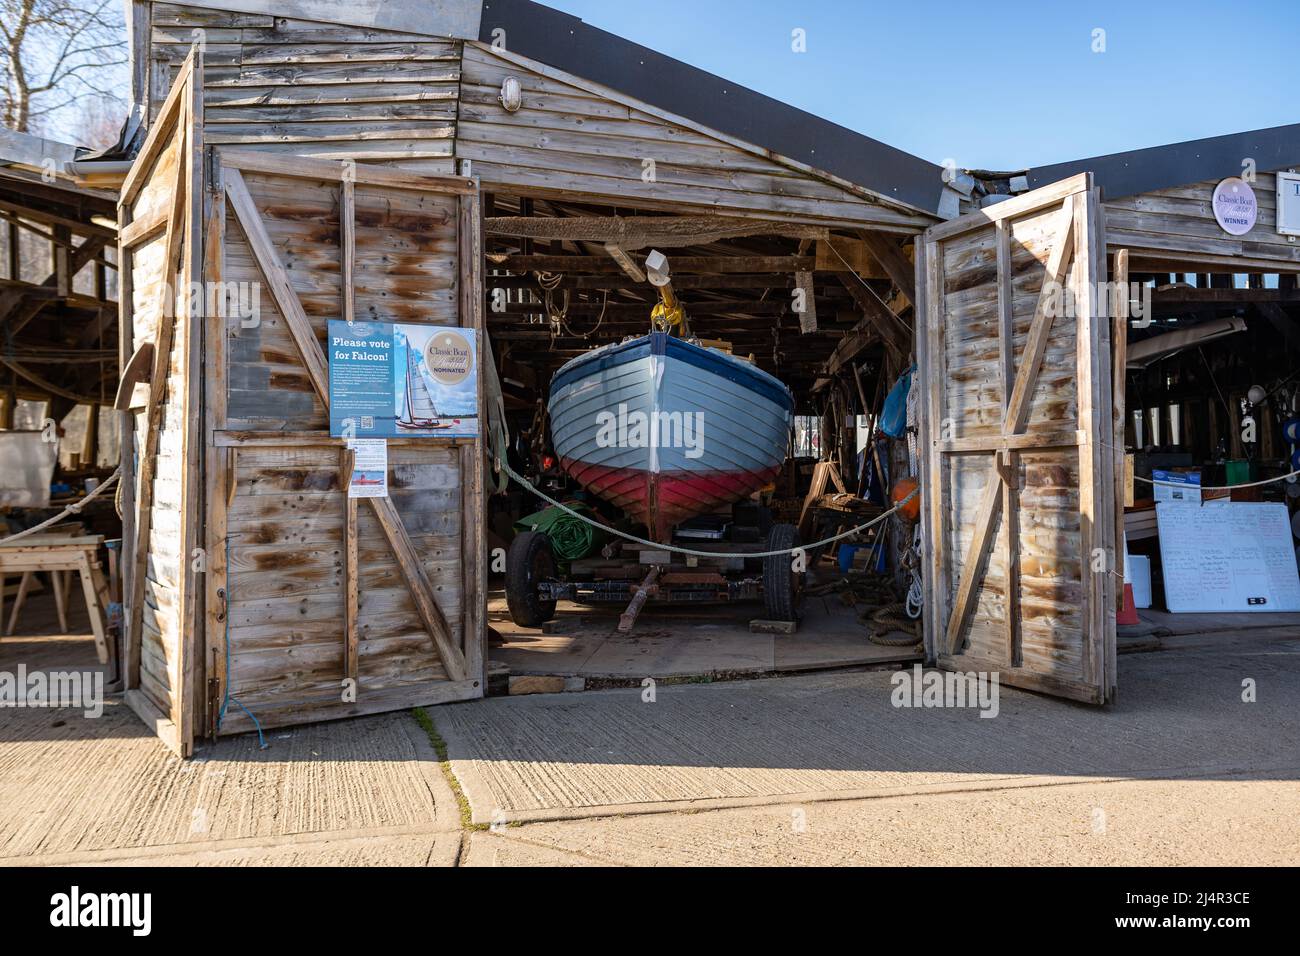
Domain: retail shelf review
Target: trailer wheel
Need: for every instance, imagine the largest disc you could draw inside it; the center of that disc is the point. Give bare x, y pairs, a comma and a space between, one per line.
782, 584
529, 562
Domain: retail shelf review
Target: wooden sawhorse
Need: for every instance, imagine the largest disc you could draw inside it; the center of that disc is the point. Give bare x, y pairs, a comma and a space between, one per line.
58, 553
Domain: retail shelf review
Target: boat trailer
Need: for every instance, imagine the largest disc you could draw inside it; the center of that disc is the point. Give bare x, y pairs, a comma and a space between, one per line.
724, 572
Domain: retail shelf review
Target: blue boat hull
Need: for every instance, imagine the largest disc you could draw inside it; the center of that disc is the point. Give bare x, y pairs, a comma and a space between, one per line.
666, 429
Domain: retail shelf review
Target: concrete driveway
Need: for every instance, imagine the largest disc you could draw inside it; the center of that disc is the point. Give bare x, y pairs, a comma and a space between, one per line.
77, 790
823, 769
806, 770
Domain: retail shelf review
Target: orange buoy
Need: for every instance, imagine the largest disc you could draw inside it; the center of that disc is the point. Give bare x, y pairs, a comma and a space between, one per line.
902, 488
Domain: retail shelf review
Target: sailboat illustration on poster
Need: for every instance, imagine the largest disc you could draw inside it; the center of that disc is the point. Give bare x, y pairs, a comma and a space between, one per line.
418, 410
402, 381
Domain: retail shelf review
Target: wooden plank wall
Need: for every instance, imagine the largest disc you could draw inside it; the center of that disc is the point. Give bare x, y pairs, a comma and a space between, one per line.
160, 645
404, 270
1049, 590
159, 214
315, 89
1170, 224
571, 138
330, 91
284, 506
285, 581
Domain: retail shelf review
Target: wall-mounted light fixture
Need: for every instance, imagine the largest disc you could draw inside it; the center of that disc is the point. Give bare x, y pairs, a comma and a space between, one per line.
512, 94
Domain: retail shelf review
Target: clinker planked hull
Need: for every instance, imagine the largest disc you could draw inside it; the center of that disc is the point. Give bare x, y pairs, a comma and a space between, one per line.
666, 429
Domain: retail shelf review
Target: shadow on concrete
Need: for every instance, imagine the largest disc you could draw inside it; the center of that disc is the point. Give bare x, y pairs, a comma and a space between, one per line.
1179, 713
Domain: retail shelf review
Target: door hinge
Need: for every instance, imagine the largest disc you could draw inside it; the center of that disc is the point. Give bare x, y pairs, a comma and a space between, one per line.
211, 170
214, 706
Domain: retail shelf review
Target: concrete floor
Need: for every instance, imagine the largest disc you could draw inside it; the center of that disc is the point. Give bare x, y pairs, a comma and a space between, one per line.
820, 770
838, 735
802, 770
78, 790
676, 641
1231, 822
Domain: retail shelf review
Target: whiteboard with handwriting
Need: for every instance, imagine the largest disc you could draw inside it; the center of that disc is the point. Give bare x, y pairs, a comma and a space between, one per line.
1231, 556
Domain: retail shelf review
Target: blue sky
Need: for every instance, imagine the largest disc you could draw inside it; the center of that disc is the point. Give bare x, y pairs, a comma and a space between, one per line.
994, 86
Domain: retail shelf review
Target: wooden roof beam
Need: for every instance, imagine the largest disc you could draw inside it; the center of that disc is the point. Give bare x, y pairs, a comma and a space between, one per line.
1285, 324
601, 283
601, 264
22, 302
43, 214
889, 327
626, 263
640, 309
891, 258
1179, 295
640, 232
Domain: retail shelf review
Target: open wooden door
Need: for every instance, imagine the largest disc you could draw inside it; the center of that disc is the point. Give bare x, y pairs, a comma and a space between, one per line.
258, 593
160, 252
320, 605
1013, 353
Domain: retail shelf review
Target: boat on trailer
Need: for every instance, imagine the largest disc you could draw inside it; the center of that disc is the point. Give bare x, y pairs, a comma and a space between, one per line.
667, 429
674, 434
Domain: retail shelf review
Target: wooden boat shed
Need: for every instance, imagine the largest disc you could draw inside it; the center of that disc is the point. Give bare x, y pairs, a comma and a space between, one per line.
358, 161
476, 164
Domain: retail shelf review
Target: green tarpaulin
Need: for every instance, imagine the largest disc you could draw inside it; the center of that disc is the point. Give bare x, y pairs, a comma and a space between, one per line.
571, 538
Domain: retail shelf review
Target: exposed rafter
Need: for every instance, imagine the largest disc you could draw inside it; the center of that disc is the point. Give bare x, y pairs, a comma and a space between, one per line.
642, 232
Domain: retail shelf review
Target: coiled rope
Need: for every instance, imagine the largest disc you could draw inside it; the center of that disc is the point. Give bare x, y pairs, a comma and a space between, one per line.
550, 281
916, 586
892, 619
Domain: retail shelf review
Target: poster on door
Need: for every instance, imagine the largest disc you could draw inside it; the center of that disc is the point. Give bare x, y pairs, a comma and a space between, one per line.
369, 478
392, 380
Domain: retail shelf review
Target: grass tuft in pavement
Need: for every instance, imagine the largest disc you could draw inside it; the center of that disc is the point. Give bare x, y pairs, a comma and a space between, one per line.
440, 747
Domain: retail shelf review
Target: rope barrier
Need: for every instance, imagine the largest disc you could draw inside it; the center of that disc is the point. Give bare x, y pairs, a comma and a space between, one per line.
1253, 484
72, 509
690, 552
504, 466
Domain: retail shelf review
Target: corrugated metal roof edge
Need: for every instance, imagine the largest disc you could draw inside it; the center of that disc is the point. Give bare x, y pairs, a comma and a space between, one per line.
1179, 164
567, 43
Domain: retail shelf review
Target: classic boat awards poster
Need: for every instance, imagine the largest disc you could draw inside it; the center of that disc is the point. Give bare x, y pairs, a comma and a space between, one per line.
402, 381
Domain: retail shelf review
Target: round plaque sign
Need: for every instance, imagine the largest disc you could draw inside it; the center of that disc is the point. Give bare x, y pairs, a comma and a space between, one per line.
448, 357
1235, 207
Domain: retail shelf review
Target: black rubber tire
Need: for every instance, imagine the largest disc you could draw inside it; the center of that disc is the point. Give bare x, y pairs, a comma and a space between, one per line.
529, 561
782, 585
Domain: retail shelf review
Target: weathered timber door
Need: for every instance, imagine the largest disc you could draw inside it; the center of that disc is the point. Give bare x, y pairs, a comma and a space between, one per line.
160, 249
1013, 349
257, 592
320, 605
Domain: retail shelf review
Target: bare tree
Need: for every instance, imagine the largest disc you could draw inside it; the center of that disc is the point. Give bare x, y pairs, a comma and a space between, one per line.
97, 120
56, 53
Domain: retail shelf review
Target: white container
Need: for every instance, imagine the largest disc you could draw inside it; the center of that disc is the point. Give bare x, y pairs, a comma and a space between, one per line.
1137, 572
